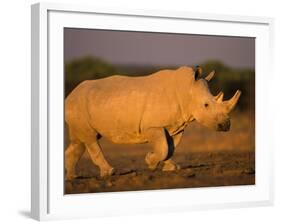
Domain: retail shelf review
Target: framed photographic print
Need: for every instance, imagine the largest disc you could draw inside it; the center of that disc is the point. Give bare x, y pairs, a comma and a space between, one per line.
166, 109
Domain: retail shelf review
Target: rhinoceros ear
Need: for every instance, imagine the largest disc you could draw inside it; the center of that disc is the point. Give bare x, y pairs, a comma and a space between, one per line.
198, 72
210, 76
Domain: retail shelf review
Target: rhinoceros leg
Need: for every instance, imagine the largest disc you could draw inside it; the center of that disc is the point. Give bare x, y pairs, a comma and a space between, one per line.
169, 164
97, 157
72, 155
157, 137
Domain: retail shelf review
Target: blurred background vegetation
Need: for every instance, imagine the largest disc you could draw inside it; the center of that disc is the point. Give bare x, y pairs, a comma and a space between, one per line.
226, 79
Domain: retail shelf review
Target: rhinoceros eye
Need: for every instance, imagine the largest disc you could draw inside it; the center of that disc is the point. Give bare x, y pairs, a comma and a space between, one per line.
206, 105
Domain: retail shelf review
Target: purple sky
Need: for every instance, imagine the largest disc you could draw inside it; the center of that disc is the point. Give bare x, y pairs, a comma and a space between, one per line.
140, 48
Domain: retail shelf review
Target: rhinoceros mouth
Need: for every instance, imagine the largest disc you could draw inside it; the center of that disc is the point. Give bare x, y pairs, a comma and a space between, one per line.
225, 126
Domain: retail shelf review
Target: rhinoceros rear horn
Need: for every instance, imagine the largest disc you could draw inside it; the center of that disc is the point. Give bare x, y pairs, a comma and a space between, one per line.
198, 72
219, 97
230, 104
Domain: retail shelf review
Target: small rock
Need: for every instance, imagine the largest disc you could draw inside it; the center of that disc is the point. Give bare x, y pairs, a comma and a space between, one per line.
249, 171
109, 184
189, 173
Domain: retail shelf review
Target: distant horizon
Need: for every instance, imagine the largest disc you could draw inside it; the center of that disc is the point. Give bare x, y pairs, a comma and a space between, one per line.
134, 48
158, 65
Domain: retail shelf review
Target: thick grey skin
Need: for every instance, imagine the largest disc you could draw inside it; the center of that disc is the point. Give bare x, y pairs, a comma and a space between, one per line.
152, 109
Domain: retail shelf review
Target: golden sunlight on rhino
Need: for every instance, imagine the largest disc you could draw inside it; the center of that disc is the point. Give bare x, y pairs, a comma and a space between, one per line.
154, 109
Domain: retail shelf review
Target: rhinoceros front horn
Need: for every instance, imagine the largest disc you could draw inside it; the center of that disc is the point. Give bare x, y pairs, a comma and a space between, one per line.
230, 104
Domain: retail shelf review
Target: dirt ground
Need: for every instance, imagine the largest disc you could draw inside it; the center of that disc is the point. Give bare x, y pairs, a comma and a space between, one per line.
207, 159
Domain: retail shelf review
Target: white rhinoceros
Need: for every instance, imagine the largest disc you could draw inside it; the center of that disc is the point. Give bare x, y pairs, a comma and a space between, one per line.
149, 109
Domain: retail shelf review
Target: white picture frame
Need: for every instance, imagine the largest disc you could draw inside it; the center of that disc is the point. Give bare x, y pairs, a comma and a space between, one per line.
48, 201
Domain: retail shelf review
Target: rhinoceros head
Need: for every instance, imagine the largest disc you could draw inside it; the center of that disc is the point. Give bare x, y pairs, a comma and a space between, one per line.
211, 111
